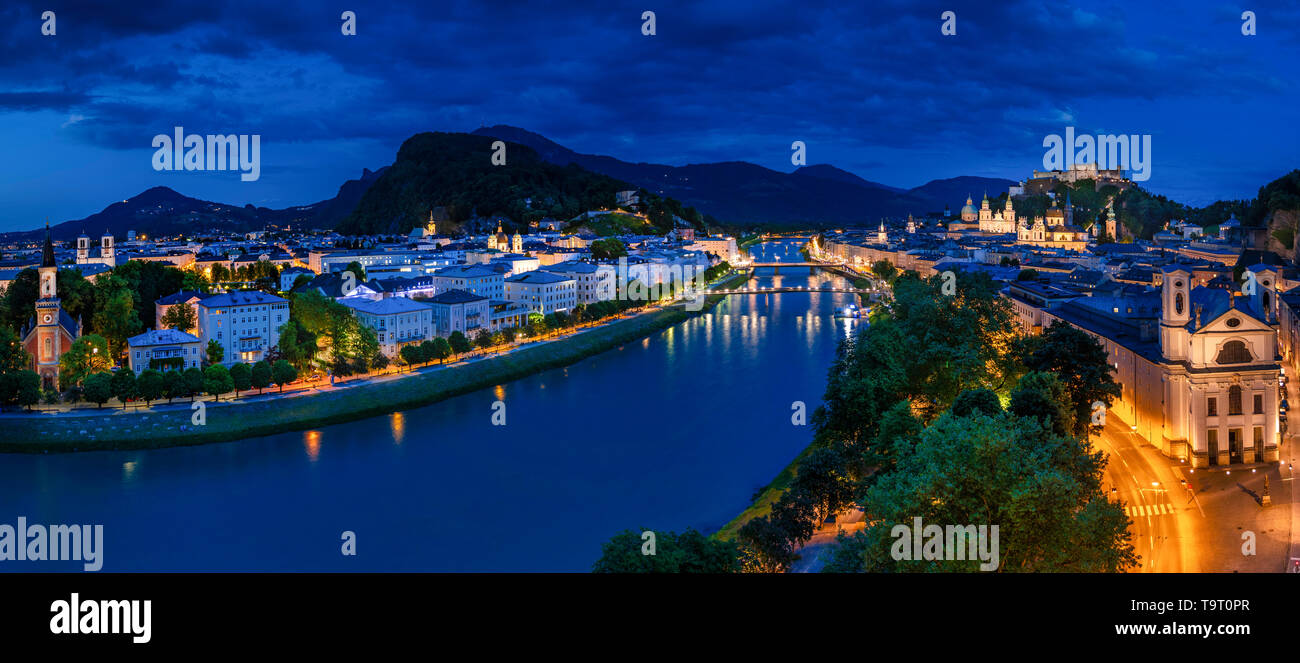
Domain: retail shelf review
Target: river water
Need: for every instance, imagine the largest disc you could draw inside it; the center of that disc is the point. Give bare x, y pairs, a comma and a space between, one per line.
677, 430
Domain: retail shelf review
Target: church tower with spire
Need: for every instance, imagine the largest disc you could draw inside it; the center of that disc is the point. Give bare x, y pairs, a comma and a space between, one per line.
51, 332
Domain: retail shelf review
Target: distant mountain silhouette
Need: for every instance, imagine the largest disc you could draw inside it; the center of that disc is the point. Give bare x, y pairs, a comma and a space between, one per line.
742, 192
954, 190
162, 211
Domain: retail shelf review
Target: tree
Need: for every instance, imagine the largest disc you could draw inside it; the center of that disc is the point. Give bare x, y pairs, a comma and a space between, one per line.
241, 377
300, 280
88, 354
379, 361
483, 339
116, 318
123, 385
358, 272
1042, 395
411, 354
150, 385
688, 552
217, 381
192, 383
283, 372
1027, 275
28, 391
297, 345
180, 316
98, 387
1042, 490
1079, 362
215, 353
977, 401
440, 349
508, 335
608, 248
173, 385
260, 376
459, 344
822, 479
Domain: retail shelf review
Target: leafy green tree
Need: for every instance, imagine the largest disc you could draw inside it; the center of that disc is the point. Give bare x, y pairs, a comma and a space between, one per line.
260, 376
508, 335
358, 272
1079, 362
1042, 490
180, 316
124, 385
483, 339
609, 248
19, 303
241, 377
215, 353
28, 389
283, 372
300, 280
379, 361
977, 401
116, 318
98, 387
192, 382
297, 345
1042, 395
439, 348
459, 344
88, 354
173, 385
150, 386
217, 381
411, 354
823, 479
688, 552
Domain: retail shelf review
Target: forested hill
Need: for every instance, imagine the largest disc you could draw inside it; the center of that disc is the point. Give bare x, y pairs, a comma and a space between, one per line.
454, 171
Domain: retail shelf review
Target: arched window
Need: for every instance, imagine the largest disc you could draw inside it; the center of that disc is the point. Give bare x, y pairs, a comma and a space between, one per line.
1234, 352
1234, 399
1178, 303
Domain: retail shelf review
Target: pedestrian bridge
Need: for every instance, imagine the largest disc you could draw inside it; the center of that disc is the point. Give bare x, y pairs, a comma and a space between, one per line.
759, 290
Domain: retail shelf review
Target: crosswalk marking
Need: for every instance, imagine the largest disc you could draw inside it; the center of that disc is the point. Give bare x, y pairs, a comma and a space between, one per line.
1149, 510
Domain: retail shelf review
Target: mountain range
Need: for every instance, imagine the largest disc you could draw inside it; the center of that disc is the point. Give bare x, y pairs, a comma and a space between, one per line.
734, 192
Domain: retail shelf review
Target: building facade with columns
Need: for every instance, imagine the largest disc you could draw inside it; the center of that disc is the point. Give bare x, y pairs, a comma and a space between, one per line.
1198, 366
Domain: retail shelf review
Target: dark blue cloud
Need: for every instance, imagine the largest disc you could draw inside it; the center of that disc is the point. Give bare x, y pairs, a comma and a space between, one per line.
871, 87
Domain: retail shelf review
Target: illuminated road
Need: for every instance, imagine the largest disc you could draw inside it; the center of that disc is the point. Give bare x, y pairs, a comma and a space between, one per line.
1168, 522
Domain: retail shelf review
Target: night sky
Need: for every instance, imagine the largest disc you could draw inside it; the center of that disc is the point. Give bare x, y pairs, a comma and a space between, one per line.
873, 88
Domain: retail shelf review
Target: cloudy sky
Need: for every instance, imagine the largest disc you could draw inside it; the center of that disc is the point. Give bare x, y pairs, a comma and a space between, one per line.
873, 88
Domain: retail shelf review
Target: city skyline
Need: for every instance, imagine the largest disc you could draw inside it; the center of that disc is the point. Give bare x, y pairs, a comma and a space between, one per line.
718, 83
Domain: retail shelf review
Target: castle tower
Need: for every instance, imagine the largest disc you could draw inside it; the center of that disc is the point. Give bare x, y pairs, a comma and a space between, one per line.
106, 249
48, 346
1175, 312
516, 243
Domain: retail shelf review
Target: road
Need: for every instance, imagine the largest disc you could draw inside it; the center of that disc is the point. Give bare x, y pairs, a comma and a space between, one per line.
1168, 521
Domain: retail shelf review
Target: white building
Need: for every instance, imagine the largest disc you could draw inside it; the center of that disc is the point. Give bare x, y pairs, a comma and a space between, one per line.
245, 324
477, 279
397, 321
164, 350
459, 311
544, 292
594, 282
107, 254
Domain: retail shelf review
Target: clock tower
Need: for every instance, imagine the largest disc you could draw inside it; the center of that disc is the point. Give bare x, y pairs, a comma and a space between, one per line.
51, 332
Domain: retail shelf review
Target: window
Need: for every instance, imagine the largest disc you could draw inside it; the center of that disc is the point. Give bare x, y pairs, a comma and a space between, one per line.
1211, 407
1234, 400
1233, 352
1259, 404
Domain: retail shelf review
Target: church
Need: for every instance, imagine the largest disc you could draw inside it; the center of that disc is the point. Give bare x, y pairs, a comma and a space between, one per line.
107, 253
500, 242
52, 331
1055, 229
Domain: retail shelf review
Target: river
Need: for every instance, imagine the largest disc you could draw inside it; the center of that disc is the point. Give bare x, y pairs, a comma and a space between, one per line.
677, 430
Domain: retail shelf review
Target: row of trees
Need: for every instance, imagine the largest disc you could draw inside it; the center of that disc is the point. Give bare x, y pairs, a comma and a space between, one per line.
152, 384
